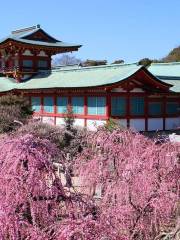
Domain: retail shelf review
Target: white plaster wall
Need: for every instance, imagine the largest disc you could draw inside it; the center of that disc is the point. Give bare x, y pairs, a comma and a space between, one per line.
93, 124
49, 120
79, 122
60, 121
122, 90
42, 54
27, 53
137, 124
155, 124
118, 90
37, 118
121, 122
172, 123
137, 90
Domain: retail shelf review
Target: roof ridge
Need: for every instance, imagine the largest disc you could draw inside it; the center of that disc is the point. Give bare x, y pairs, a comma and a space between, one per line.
168, 63
94, 67
27, 29
24, 34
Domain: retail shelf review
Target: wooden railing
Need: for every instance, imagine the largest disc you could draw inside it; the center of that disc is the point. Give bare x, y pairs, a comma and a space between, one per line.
8, 69
15, 72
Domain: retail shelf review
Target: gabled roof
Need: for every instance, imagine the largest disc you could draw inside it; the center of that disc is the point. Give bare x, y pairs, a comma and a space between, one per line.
168, 73
79, 77
25, 36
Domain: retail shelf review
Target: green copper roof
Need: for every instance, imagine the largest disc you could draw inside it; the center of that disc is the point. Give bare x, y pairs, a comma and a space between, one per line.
164, 70
7, 84
168, 73
79, 77
76, 78
175, 83
73, 78
82, 77
21, 36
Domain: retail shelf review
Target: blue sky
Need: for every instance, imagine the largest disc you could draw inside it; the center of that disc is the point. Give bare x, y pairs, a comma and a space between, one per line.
108, 29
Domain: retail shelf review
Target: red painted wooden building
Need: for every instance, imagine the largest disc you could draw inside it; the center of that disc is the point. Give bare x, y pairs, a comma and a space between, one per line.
144, 99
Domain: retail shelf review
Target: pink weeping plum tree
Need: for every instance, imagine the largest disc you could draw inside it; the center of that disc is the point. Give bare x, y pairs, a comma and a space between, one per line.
139, 183
33, 202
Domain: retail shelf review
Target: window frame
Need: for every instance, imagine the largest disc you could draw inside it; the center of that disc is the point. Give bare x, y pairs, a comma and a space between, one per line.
83, 105
57, 106
40, 105
53, 106
27, 60
97, 113
42, 60
131, 105
124, 98
172, 102
161, 108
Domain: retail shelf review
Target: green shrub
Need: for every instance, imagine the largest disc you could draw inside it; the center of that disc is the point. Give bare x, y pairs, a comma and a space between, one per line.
44, 131
70, 142
14, 111
69, 118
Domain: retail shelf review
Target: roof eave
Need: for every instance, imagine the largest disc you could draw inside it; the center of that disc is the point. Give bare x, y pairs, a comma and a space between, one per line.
73, 47
156, 78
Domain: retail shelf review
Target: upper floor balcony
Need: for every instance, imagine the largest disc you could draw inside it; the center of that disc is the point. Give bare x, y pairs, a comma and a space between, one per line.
16, 72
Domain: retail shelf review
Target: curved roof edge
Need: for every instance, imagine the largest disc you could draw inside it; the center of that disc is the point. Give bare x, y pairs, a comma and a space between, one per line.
84, 77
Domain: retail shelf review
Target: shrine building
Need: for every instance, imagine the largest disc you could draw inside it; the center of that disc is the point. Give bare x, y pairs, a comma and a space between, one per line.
146, 99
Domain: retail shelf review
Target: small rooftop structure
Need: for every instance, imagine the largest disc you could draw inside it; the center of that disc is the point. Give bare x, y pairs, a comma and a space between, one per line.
36, 36
25, 29
28, 50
